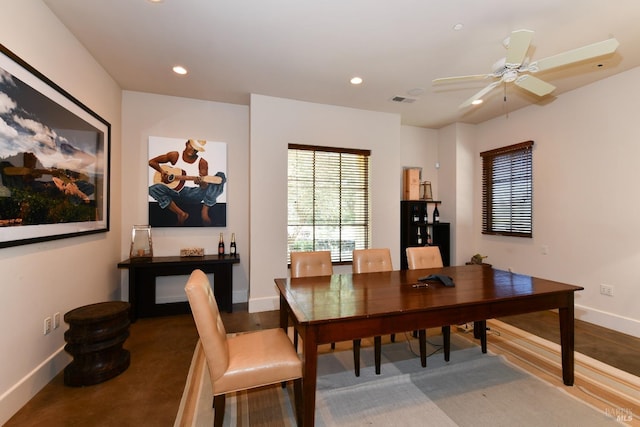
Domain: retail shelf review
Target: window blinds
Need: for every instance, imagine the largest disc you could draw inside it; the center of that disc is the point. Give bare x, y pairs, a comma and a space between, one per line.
507, 190
328, 200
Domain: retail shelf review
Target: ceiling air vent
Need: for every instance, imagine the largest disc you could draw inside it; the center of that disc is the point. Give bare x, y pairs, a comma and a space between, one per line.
403, 99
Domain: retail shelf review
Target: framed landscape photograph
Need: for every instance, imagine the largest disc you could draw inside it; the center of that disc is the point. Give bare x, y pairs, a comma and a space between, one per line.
54, 159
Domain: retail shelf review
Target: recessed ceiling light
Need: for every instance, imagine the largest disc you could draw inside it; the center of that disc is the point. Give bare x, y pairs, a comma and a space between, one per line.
477, 102
356, 80
155, 1
458, 26
178, 69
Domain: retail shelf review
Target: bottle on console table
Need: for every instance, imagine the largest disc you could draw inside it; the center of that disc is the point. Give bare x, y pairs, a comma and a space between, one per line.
232, 245
436, 214
221, 245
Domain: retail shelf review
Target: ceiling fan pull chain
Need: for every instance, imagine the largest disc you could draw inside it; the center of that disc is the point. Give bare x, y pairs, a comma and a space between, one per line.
506, 107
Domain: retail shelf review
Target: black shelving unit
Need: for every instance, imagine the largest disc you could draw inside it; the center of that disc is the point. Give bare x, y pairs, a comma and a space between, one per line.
417, 230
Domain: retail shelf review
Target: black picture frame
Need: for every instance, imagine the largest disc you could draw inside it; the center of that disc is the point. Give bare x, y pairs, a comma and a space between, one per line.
54, 159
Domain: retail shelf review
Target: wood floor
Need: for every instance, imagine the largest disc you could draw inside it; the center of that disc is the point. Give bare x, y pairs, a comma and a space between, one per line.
613, 348
148, 393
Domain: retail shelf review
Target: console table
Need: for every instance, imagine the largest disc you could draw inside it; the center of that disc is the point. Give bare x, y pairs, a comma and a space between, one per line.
142, 282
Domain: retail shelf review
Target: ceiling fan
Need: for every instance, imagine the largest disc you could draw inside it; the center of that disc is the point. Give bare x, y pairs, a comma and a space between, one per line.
515, 68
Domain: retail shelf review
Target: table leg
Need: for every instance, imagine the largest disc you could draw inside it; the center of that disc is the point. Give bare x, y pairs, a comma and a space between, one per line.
566, 316
356, 357
446, 342
145, 293
142, 294
377, 350
422, 340
309, 376
284, 314
133, 299
223, 285
481, 327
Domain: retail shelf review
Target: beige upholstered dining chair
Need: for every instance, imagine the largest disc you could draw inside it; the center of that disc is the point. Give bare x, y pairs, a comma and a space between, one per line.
309, 264
318, 263
429, 257
243, 361
424, 257
370, 261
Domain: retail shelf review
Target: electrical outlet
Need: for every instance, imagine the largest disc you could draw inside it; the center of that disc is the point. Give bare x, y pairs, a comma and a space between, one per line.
544, 250
56, 320
606, 290
47, 325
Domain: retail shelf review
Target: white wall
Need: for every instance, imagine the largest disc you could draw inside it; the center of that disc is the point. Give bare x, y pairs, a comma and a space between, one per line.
276, 122
145, 115
462, 233
41, 279
447, 149
419, 148
457, 147
149, 114
586, 209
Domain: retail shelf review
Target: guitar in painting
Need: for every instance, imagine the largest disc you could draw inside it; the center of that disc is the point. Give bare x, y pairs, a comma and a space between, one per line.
177, 177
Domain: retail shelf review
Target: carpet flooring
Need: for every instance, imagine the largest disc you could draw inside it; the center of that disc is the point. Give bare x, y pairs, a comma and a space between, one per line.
471, 390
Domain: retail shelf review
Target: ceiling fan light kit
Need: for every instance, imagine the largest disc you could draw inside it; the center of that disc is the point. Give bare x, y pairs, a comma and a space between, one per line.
514, 67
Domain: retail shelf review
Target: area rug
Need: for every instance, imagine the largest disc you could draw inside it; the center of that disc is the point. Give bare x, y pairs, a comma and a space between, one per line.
473, 389
610, 390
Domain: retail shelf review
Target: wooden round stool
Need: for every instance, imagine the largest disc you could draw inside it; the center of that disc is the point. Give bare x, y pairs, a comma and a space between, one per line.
95, 337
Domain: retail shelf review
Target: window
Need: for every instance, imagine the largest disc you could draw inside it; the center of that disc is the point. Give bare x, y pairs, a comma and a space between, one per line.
507, 190
328, 200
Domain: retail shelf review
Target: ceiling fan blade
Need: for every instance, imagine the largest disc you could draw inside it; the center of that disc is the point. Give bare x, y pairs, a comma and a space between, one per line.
576, 55
461, 78
534, 85
480, 94
519, 42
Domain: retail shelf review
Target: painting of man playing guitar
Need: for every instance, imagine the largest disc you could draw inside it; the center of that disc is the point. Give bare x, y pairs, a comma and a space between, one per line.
182, 179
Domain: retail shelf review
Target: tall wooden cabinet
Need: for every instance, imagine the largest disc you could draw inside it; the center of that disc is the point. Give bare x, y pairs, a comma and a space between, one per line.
416, 229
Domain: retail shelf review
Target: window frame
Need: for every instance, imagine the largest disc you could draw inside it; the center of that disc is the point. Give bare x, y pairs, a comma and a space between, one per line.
510, 166
340, 256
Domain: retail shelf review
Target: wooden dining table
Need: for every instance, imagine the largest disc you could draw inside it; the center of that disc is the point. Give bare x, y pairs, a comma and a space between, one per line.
343, 307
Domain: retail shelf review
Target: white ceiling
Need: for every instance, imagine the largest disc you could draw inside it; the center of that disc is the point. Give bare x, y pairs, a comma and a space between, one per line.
308, 51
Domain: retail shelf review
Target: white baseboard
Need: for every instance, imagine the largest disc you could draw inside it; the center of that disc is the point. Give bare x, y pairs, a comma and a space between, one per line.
236, 297
21, 392
607, 320
264, 304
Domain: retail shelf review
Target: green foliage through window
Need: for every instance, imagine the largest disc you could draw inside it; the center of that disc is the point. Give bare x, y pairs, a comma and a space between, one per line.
328, 200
